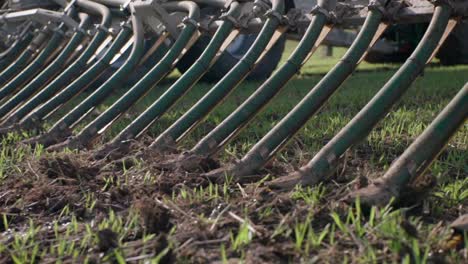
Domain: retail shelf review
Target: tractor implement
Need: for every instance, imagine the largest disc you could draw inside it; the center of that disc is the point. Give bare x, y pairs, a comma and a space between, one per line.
221, 39
279, 136
370, 32
26, 56
233, 124
37, 47
186, 38
61, 130
361, 125
419, 156
49, 52
33, 88
70, 72
34, 119
50, 71
18, 46
270, 32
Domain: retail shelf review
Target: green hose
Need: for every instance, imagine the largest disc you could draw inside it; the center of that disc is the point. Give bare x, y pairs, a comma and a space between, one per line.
226, 85
15, 50
425, 149
22, 61
418, 157
361, 125
32, 119
60, 129
279, 135
32, 69
233, 124
155, 75
185, 82
72, 71
49, 72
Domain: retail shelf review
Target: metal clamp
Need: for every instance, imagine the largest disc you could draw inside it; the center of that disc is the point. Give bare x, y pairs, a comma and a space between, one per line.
233, 20
103, 28
388, 9
274, 14
187, 20
320, 10
127, 24
227, 3
377, 6
125, 5
69, 6
55, 28
260, 4
293, 16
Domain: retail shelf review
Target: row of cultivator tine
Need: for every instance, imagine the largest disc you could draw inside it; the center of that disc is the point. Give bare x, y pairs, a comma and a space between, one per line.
47, 67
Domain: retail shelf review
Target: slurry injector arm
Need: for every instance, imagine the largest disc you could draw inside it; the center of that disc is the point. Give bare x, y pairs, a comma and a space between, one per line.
362, 124
61, 129
78, 85
233, 124
185, 39
359, 127
27, 63
18, 45
51, 70
48, 53
270, 32
419, 155
221, 39
72, 71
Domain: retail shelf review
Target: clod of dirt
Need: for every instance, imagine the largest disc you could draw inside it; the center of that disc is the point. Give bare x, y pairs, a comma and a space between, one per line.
417, 190
107, 240
190, 162
264, 254
409, 228
65, 167
161, 245
155, 218
461, 224
376, 194
12, 215
458, 238
121, 195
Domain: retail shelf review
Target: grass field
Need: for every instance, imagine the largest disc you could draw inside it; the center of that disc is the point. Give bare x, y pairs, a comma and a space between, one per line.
61, 207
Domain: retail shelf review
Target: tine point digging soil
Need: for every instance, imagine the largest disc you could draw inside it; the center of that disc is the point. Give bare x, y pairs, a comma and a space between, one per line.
375, 194
143, 198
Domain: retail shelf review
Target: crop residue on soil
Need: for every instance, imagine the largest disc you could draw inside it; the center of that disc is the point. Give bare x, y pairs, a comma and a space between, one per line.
120, 210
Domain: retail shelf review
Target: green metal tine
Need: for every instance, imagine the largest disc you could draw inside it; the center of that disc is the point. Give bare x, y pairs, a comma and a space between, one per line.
16, 49
49, 52
362, 124
71, 72
226, 85
221, 39
186, 38
419, 156
28, 55
61, 130
277, 138
35, 118
34, 67
50, 71
233, 124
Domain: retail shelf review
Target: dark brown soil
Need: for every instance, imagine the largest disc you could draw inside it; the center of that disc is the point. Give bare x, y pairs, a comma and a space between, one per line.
196, 228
